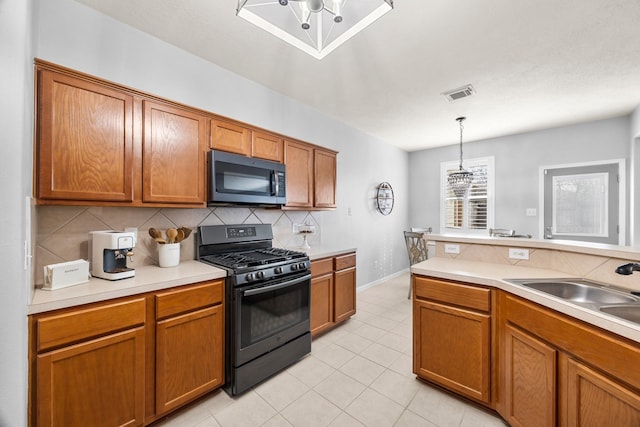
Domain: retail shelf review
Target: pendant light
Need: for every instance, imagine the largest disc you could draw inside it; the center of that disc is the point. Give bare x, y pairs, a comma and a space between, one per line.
460, 181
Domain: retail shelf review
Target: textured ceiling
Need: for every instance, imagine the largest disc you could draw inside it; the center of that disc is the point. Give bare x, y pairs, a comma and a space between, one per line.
534, 64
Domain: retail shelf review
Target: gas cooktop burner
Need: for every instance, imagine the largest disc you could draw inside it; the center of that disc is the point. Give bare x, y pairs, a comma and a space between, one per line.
254, 258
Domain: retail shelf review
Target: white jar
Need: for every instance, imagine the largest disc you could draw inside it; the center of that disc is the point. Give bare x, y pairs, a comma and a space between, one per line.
168, 254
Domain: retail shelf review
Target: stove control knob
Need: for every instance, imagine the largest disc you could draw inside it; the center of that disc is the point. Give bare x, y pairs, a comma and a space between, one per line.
294, 267
260, 275
277, 270
250, 277
301, 266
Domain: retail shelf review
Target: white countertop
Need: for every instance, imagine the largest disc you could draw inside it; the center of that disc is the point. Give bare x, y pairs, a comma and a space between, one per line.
319, 252
148, 278
489, 274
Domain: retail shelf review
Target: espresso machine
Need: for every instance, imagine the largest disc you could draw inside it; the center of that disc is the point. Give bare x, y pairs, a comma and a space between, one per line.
109, 251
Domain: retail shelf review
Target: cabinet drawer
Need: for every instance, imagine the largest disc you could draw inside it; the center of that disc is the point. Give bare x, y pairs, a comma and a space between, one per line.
189, 298
73, 326
453, 293
345, 261
322, 266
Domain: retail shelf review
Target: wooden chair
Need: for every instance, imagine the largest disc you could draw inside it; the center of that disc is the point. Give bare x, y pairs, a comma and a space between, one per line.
416, 249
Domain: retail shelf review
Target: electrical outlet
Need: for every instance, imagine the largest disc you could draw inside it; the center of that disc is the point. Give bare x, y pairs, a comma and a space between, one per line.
518, 253
451, 248
532, 212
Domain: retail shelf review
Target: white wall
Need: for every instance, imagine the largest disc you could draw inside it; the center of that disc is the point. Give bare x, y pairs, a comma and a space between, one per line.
75, 36
16, 121
634, 200
517, 162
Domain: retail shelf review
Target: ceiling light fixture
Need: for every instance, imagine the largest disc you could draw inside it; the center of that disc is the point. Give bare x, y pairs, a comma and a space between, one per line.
316, 27
460, 181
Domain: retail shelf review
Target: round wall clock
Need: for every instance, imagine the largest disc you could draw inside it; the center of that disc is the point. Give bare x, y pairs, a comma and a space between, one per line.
384, 198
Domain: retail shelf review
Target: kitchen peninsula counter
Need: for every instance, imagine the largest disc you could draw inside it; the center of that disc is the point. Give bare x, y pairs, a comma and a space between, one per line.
148, 278
494, 275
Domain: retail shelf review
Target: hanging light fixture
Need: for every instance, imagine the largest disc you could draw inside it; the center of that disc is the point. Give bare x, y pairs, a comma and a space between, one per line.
460, 181
315, 26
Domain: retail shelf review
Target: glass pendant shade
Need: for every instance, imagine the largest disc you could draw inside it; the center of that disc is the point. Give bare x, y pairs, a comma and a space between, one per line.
460, 181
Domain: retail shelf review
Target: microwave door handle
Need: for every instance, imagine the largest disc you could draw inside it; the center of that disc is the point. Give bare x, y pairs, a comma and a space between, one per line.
276, 183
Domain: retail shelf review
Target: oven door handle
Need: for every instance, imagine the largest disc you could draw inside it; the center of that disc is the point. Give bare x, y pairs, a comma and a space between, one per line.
258, 291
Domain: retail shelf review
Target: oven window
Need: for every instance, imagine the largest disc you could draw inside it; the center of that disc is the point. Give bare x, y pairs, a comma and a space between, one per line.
272, 312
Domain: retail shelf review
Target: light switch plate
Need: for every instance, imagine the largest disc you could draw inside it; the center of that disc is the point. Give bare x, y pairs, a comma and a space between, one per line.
518, 253
451, 248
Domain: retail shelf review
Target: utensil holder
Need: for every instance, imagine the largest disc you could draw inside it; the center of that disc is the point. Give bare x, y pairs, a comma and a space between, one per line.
169, 254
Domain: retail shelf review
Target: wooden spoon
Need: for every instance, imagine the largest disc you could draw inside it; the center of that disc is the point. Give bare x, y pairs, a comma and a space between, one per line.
171, 235
160, 240
154, 233
186, 231
180, 236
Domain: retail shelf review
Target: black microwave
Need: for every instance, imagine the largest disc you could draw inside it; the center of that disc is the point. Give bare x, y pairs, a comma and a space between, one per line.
235, 179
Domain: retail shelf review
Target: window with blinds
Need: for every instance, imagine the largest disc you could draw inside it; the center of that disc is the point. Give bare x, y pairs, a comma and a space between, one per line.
472, 213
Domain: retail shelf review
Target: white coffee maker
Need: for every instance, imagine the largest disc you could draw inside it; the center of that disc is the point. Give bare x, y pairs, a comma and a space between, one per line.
109, 251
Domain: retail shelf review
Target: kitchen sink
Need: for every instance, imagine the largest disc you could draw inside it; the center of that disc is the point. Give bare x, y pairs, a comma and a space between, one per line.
581, 291
627, 312
593, 295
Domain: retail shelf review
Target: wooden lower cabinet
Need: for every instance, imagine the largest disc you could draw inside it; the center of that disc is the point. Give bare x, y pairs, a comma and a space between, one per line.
560, 371
530, 380
321, 303
333, 291
126, 362
548, 369
593, 400
188, 357
452, 344
95, 383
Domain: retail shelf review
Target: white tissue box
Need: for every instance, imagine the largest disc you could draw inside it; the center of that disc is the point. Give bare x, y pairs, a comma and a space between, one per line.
65, 274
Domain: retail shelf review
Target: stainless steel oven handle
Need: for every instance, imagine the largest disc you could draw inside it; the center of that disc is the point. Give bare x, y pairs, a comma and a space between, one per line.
258, 291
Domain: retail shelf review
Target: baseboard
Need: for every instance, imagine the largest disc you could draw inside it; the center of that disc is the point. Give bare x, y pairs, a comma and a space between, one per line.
382, 280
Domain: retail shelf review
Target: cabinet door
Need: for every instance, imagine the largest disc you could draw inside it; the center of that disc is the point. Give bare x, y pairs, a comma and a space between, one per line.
96, 383
324, 179
230, 137
84, 140
452, 348
299, 161
530, 380
594, 400
175, 144
345, 294
189, 359
321, 303
268, 147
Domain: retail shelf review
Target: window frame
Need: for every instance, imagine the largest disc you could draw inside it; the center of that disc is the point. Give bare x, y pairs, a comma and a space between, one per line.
489, 161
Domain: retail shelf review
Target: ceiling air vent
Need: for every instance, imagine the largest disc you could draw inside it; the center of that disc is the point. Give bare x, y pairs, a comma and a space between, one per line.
461, 92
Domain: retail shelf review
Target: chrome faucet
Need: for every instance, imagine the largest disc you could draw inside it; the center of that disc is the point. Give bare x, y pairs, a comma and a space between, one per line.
628, 269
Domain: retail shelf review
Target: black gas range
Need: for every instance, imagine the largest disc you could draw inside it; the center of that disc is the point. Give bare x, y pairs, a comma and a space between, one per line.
267, 299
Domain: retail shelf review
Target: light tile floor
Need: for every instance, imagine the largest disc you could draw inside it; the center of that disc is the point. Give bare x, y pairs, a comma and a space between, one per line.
359, 374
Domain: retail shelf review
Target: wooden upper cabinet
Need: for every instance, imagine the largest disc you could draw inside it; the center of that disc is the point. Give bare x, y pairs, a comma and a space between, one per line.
84, 140
299, 161
311, 176
324, 179
267, 146
230, 137
174, 150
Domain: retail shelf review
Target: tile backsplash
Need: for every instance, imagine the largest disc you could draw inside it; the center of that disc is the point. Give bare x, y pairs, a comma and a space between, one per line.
62, 231
600, 268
